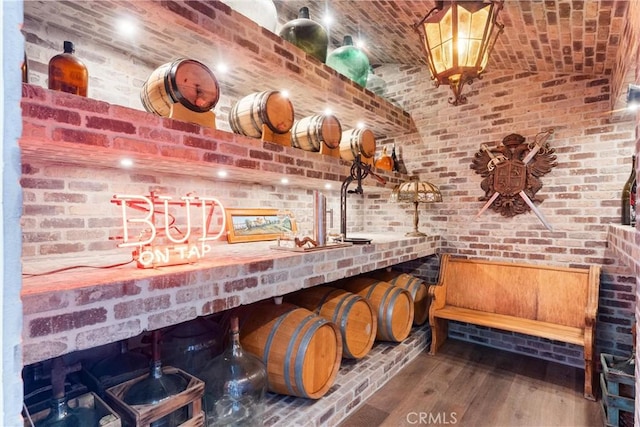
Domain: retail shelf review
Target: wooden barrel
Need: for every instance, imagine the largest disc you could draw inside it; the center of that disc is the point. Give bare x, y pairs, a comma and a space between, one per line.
301, 350
270, 108
357, 141
353, 315
415, 286
310, 132
184, 81
393, 306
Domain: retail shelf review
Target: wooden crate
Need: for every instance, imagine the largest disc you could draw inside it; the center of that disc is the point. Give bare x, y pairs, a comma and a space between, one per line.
100, 385
144, 415
618, 393
107, 417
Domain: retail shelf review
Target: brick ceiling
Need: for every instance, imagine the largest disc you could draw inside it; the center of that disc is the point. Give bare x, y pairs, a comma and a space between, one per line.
564, 36
590, 37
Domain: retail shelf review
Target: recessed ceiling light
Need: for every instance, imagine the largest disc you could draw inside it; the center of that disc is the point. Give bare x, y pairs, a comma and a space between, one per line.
284, 181
327, 186
126, 162
328, 112
223, 174
285, 93
222, 68
360, 125
127, 27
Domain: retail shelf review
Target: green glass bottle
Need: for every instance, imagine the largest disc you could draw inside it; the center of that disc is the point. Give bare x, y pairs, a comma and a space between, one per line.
350, 61
307, 34
376, 84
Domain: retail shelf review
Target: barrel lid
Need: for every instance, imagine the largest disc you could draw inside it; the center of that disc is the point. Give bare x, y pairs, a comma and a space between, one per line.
194, 85
367, 143
279, 112
331, 131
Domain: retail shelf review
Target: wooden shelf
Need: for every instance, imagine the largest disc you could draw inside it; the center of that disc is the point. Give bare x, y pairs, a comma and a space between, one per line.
212, 33
84, 129
84, 308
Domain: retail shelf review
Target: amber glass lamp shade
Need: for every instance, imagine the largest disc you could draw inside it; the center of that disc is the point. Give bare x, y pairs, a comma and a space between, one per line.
458, 37
416, 192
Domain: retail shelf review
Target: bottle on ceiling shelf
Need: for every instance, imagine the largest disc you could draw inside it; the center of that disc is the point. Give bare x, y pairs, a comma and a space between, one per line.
25, 70
394, 159
632, 201
307, 34
385, 161
350, 61
262, 12
376, 84
67, 73
629, 196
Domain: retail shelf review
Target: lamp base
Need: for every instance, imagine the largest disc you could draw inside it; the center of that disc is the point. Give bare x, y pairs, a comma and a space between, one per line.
415, 234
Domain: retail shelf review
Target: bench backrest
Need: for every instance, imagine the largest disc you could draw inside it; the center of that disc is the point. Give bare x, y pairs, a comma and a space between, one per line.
558, 295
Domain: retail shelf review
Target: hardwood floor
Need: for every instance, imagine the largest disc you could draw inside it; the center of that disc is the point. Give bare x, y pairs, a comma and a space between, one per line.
471, 385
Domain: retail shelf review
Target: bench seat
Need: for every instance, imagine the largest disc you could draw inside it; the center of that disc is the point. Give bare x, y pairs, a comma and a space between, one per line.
536, 328
556, 303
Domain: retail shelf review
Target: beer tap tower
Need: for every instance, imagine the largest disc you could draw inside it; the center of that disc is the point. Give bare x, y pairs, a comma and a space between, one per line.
359, 171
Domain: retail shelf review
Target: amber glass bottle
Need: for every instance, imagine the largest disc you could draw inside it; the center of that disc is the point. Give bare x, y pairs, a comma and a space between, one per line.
628, 197
67, 73
25, 70
385, 161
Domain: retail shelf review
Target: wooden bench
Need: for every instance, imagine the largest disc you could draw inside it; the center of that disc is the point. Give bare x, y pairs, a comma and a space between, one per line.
556, 303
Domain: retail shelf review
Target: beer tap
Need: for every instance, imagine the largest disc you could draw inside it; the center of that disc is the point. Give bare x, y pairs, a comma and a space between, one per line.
359, 171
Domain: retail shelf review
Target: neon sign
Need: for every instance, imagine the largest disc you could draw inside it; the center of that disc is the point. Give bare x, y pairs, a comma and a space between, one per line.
158, 223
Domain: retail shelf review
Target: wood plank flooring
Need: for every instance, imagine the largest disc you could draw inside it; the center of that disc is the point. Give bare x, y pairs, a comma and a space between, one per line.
472, 385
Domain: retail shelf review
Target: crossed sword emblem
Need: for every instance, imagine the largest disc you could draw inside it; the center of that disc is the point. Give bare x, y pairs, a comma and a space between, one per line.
530, 155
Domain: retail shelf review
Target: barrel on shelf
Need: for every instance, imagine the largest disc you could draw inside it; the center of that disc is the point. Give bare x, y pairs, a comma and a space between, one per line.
311, 132
357, 141
352, 313
301, 350
184, 81
417, 288
393, 306
269, 108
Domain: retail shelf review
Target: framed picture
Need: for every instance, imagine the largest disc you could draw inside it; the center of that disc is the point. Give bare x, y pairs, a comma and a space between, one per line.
253, 225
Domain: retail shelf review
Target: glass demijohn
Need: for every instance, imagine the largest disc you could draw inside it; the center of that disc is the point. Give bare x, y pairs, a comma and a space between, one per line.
235, 386
262, 12
376, 84
157, 387
61, 415
350, 61
67, 73
307, 34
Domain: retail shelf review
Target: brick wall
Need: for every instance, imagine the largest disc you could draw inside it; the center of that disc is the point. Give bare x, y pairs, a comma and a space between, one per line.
581, 196
211, 33
67, 203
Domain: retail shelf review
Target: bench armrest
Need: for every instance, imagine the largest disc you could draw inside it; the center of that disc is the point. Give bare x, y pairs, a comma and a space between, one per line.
591, 309
438, 294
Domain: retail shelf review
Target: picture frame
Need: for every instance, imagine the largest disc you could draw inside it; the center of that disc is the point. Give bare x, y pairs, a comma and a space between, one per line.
255, 225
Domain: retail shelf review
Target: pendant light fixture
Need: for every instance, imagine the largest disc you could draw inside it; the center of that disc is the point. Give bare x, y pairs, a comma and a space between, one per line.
458, 37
